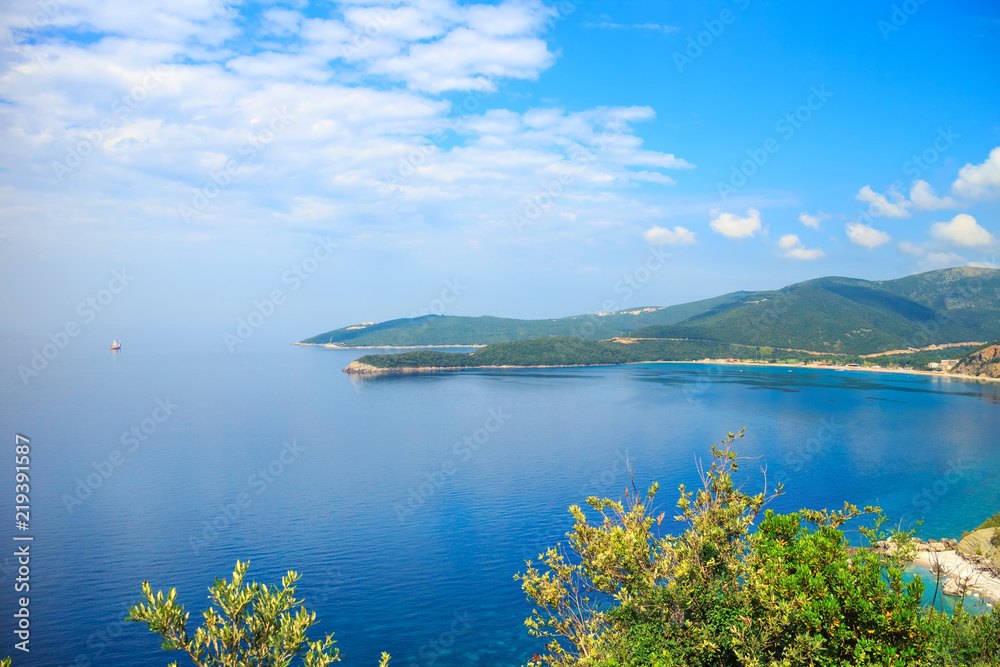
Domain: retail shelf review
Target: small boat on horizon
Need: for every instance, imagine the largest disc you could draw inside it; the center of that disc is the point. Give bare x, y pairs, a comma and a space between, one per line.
116, 344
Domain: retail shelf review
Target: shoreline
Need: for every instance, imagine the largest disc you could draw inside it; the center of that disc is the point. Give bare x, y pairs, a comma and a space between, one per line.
955, 569
354, 368
960, 573
869, 369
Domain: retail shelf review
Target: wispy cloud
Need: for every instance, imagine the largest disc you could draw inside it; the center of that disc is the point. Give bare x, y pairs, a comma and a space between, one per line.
664, 236
792, 247
866, 236
414, 129
923, 197
370, 141
880, 206
608, 25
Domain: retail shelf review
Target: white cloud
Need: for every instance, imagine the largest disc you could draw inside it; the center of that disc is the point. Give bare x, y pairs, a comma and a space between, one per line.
911, 248
632, 26
979, 181
281, 22
651, 177
789, 241
208, 22
359, 156
923, 197
962, 230
508, 18
388, 30
794, 248
733, 226
811, 220
466, 59
279, 66
865, 236
805, 253
440, 46
664, 236
880, 206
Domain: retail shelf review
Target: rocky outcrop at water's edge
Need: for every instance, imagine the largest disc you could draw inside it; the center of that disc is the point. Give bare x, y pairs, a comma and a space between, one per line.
963, 572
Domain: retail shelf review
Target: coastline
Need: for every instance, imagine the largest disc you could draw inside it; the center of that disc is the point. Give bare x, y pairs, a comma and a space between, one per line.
356, 368
869, 369
958, 571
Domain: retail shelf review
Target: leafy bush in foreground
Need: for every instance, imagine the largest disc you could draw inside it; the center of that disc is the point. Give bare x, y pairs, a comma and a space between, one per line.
964, 639
789, 592
256, 626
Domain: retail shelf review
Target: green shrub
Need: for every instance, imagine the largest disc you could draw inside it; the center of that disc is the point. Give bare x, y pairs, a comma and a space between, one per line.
964, 639
256, 626
732, 590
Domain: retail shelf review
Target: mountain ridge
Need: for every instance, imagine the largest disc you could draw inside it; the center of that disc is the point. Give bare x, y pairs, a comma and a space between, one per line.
831, 314
452, 330
854, 316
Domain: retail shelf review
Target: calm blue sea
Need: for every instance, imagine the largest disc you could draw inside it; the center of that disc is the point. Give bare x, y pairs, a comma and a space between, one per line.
408, 503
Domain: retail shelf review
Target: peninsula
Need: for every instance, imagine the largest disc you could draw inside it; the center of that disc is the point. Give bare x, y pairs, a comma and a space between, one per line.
565, 352
924, 323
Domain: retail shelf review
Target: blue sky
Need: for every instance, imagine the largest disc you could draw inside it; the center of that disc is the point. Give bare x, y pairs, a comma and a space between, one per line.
520, 157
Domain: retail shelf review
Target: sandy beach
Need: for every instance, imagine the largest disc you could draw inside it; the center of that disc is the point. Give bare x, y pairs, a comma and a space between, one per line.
956, 568
871, 369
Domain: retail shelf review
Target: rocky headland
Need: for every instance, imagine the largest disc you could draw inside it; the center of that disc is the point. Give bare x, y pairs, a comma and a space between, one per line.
983, 363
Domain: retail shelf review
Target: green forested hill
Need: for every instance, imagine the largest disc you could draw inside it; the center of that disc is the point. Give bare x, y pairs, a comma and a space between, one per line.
845, 315
557, 351
452, 330
832, 315
563, 351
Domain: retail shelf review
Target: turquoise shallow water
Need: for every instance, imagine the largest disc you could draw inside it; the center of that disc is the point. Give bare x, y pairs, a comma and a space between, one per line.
408, 503
945, 603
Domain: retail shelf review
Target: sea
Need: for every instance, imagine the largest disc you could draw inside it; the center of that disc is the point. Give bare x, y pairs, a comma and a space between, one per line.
408, 503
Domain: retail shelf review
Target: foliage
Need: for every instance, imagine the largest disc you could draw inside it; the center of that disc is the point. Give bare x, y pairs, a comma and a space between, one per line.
837, 607
849, 316
739, 586
984, 362
256, 625
980, 348
992, 522
963, 639
829, 315
557, 351
454, 330
562, 351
